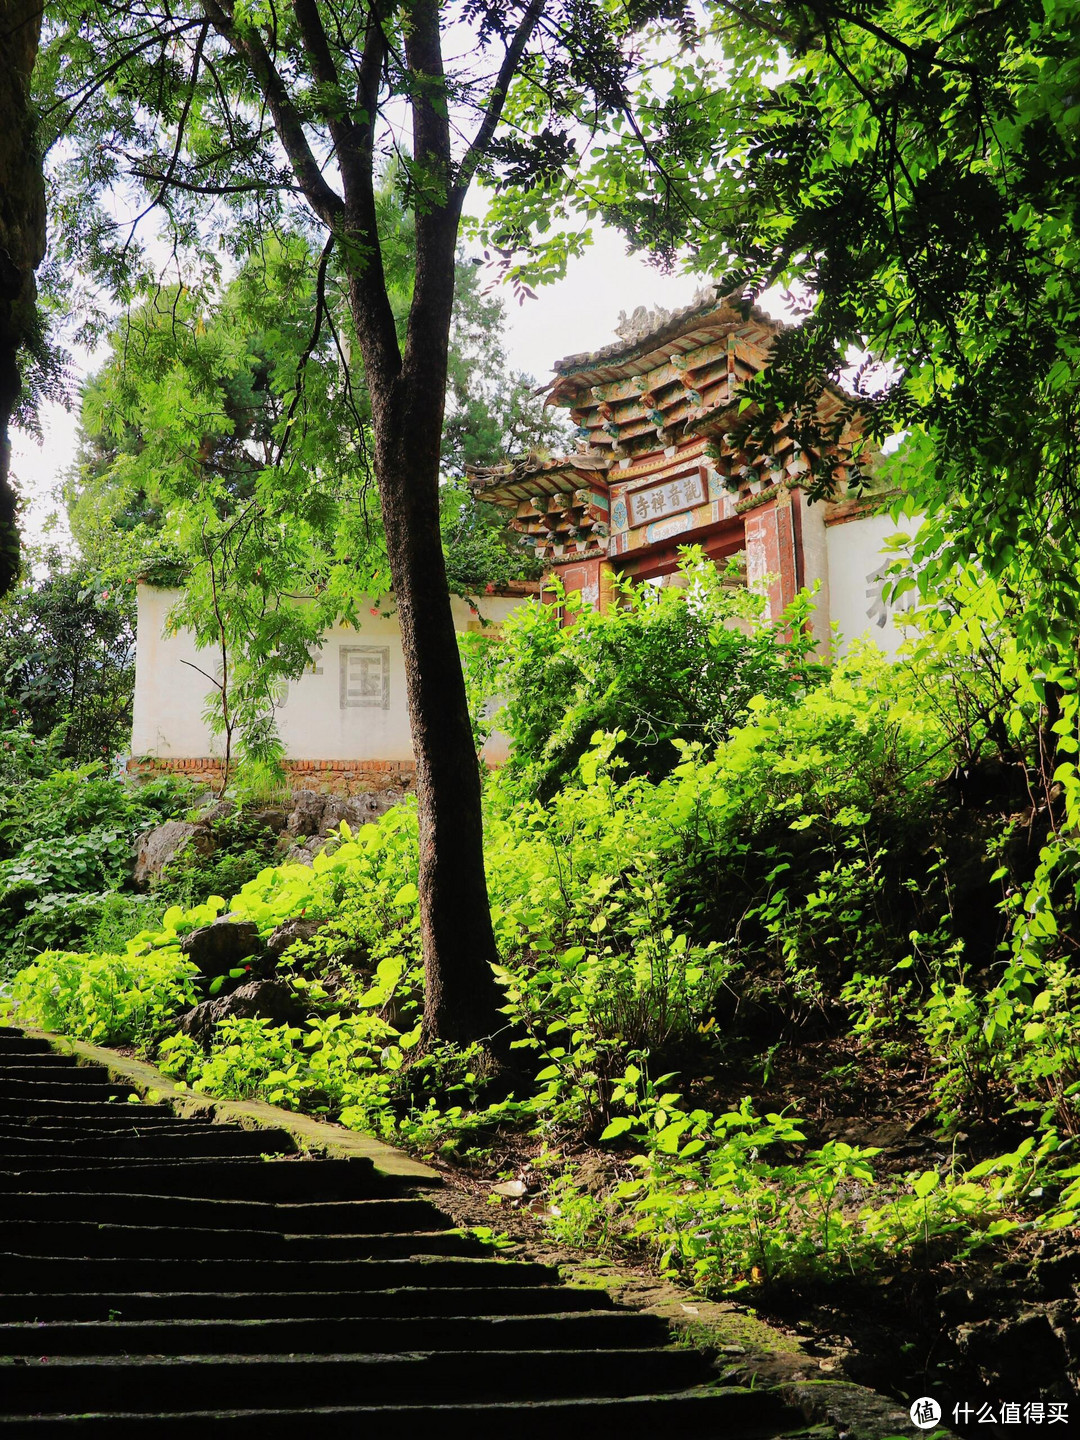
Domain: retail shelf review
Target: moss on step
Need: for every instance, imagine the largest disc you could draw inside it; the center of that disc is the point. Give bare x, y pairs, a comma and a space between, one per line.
316, 1136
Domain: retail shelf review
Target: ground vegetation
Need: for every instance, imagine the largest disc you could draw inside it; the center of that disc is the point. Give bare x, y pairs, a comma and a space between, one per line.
67, 658
792, 1017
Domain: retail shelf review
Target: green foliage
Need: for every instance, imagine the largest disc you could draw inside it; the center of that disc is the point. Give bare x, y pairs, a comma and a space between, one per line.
66, 837
736, 1199
243, 847
225, 452
217, 440
480, 548
811, 872
662, 666
67, 659
107, 999
911, 174
493, 413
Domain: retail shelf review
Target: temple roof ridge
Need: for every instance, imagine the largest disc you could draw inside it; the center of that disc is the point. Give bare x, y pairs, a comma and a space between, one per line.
647, 328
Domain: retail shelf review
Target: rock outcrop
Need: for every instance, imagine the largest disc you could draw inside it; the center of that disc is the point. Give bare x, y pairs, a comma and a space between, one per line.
289, 933
221, 946
156, 848
272, 1000
315, 814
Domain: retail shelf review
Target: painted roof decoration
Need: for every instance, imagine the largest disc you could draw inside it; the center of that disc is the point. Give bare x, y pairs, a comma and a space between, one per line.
658, 402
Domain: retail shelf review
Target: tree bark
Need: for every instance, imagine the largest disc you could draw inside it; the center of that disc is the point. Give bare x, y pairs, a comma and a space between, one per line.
407, 389
461, 996
22, 241
408, 397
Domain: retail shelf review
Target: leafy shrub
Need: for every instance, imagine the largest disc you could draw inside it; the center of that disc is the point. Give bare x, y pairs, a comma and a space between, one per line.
108, 999
67, 658
813, 868
243, 846
66, 838
664, 664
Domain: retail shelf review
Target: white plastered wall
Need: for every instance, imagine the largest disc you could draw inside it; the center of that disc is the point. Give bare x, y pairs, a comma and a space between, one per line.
314, 724
857, 558
814, 569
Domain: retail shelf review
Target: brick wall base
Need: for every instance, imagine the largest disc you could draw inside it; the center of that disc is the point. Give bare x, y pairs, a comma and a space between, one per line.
328, 777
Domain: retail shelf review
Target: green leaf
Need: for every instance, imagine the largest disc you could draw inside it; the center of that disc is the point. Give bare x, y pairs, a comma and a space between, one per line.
925, 1183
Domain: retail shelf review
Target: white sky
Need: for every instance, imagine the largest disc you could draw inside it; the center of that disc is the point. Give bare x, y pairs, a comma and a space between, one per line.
574, 314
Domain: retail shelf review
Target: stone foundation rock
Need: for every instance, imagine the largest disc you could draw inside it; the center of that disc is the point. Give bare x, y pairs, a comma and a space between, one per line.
272, 1000
155, 849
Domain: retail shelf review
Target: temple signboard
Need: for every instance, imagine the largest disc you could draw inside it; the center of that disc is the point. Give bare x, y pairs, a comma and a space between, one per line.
654, 502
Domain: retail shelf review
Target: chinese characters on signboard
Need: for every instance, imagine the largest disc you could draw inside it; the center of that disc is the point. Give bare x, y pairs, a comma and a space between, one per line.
666, 499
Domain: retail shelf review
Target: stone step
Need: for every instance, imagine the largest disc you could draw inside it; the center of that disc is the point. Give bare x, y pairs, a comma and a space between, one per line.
164, 1278
208, 1140
45, 1131
44, 1070
79, 1112
61, 1274
697, 1414
212, 1382
42, 1058
404, 1301
81, 1239
95, 1087
330, 1217
15, 1042
603, 1329
290, 1179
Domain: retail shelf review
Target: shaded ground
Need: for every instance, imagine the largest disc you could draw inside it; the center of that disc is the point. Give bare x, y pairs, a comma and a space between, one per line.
1001, 1327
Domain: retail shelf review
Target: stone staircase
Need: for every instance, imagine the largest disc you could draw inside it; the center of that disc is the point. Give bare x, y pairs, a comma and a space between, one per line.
171, 1277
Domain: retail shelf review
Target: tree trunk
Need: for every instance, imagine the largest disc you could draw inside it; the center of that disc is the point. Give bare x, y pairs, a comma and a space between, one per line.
22, 240
407, 390
462, 997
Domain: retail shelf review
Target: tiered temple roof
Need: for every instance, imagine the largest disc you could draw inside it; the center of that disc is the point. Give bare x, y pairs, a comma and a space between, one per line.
656, 406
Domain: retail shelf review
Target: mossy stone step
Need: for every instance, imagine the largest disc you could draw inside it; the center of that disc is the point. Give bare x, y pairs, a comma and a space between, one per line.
179, 1277
275, 1180
62, 1274
82, 1112
404, 1301
95, 1088
211, 1382
601, 1329
328, 1217
730, 1414
84, 1239
208, 1140
44, 1070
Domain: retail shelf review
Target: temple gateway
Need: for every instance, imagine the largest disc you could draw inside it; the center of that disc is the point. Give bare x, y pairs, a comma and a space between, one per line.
654, 470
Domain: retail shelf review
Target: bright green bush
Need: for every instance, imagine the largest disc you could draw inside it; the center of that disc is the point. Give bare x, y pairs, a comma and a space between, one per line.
66, 838
108, 999
675, 663
814, 865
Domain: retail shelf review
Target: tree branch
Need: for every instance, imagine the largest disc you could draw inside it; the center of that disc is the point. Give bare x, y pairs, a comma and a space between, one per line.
309, 348
331, 102
181, 125
497, 101
322, 197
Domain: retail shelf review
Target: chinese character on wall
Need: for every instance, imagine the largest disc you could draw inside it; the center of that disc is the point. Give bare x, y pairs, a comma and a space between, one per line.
365, 676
